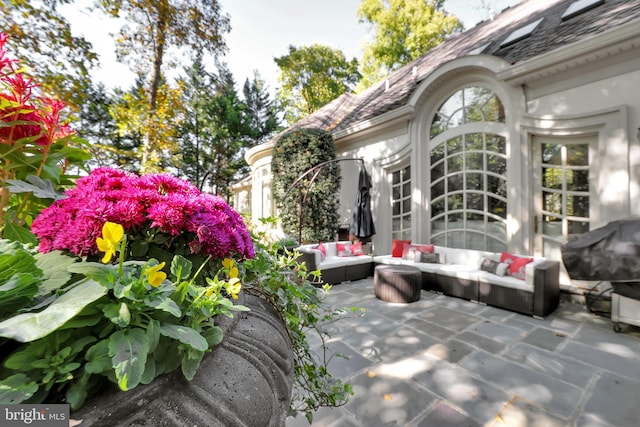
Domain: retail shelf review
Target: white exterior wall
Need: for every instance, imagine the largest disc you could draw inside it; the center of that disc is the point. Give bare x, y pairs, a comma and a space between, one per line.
547, 97
618, 157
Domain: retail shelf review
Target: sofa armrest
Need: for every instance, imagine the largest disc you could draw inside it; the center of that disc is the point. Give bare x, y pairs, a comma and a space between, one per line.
311, 257
546, 287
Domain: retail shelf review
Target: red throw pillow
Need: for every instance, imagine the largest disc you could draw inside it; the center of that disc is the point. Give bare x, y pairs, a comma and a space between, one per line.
408, 248
517, 264
356, 248
321, 248
397, 246
343, 250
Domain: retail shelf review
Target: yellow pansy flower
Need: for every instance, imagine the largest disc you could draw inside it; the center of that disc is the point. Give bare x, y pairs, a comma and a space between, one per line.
228, 263
112, 234
234, 287
154, 275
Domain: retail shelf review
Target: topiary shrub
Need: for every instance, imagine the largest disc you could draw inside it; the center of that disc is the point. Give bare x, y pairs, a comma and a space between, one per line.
293, 154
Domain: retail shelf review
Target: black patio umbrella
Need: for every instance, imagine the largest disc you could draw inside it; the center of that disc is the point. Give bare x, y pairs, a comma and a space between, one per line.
362, 225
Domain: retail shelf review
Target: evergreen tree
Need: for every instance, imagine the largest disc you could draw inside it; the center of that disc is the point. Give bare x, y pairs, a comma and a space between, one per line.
230, 130
194, 133
260, 109
100, 129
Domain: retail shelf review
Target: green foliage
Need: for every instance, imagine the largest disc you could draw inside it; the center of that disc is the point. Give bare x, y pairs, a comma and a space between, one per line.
261, 111
109, 146
311, 77
124, 323
59, 60
218, 126
278, 277
153, 27
403, 31
293, 154
37, 147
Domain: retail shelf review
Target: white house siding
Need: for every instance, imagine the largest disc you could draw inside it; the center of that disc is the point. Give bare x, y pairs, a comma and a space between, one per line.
586, 93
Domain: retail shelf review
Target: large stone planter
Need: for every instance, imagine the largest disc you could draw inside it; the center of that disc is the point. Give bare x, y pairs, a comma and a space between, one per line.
245, 381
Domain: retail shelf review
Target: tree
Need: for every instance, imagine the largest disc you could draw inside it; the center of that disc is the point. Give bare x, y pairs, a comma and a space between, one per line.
154, 26
311, 77
230, 130
42, 37
133, 117
261, 111
403, 31
293, 154
197, 88
96, 124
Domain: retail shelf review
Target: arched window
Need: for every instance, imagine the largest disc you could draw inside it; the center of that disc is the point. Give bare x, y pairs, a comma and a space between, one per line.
468, 173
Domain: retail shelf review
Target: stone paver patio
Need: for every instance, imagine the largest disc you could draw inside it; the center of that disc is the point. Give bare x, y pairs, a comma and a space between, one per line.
444, 361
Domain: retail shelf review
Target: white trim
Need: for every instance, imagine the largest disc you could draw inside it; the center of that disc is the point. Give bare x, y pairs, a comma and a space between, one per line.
591, 50
404, 113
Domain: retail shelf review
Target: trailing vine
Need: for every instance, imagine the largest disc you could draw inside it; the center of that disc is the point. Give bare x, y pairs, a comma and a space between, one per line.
295, 293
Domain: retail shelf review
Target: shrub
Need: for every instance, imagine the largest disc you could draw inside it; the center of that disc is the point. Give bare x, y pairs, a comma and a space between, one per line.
293, 154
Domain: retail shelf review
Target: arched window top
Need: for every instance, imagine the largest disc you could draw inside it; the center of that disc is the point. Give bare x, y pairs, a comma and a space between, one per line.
468, 105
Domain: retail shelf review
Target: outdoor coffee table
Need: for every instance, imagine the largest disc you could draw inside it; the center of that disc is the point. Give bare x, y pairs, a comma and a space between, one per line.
397, 283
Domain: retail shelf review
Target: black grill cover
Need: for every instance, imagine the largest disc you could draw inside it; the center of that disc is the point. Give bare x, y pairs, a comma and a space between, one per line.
609, 253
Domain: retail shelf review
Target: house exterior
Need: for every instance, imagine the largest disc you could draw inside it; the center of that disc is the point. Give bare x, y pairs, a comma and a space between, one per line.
518, 134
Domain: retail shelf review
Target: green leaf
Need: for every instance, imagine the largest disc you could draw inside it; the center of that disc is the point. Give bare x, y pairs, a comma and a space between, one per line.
185, 335
17, 293
19, 233
150, 372
102, 273
31, 326
16, 260
55, 266
98, 359
153, 332
128, 350
16, 389
161, 302
139, 248
40, 188
181, 268
191, 362
118, 314
213, 335
23, 360
77, 392
78, 345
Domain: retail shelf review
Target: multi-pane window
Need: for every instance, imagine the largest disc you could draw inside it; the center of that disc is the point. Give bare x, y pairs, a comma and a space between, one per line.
565, 190
401, 203
468, 174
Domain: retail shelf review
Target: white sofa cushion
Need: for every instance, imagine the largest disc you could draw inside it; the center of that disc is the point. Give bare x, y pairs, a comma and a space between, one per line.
422, 266
339, 261
505, 281
460, 271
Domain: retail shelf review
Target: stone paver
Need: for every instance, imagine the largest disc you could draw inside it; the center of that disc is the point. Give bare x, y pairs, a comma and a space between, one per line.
447, 362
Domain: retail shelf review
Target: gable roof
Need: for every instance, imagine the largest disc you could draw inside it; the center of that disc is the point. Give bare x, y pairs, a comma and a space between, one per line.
486, 38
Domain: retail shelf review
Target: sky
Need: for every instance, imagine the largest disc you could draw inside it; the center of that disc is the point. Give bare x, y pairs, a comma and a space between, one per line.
262, 30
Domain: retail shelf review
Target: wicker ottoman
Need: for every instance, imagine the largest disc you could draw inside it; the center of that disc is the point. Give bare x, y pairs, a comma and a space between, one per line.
397, 283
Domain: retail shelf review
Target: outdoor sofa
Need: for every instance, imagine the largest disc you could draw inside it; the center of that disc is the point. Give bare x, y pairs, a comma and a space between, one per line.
520, 283
523, 284
337, 261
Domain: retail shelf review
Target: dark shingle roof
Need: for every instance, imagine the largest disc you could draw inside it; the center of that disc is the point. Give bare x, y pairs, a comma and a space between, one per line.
552, 33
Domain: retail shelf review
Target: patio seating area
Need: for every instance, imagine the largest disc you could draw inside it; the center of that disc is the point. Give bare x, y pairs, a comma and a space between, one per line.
443, 361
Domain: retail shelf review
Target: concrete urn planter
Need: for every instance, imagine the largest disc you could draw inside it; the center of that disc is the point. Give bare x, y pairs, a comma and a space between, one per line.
245, 381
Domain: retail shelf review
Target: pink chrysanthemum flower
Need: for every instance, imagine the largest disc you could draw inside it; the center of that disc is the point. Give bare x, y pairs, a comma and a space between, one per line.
150, 205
